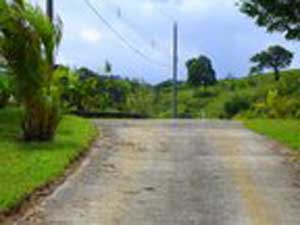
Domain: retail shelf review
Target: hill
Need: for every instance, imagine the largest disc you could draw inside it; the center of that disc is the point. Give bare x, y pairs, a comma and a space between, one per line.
258, 96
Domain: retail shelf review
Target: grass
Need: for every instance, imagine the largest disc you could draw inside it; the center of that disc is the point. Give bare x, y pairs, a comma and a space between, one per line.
210, 102
25, 167
286, 132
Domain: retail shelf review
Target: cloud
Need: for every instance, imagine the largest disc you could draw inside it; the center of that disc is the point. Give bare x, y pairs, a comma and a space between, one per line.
148, 7
90, 35
212, 27
204, 6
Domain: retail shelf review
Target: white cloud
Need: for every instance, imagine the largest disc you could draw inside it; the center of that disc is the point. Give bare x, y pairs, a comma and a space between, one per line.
204, 5
91, 35
148, 7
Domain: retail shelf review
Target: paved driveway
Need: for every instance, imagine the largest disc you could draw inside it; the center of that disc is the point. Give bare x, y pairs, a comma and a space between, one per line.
176, 173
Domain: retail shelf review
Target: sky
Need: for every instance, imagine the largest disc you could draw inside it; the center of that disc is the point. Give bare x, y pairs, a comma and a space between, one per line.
215, 28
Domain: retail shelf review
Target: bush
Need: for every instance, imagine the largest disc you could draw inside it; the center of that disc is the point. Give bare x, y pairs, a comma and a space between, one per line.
204, 93
289, 84
31, 68
141, 101
236, 105
276, 106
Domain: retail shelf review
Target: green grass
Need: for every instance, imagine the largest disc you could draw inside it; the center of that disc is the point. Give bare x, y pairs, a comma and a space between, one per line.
25, 167
210, 102
286, 132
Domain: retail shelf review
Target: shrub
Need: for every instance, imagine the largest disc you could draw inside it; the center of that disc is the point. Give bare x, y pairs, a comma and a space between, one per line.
141, 101
204, 93
289, 84
28, 41
236, 105
276, 106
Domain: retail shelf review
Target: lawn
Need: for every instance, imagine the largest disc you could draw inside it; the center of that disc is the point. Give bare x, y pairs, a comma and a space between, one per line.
25, 167
286, 132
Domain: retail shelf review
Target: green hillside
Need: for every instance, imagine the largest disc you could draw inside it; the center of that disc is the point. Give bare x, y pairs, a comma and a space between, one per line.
250, 97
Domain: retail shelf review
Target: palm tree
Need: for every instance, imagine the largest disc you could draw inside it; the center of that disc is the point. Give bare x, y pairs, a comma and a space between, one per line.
107, 67
28, 41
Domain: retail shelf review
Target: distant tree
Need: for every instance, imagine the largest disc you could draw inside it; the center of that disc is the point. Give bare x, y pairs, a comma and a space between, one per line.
107, 67
201, 72
276, 15
168, 84
275, 57
230, 76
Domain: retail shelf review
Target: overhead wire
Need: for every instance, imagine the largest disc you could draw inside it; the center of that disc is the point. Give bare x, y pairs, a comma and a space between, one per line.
153, 43
186, 54
120, 36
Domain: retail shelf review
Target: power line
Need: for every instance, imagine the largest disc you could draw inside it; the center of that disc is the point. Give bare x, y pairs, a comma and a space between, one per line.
121, 37
172, 20
153, 43
164, 14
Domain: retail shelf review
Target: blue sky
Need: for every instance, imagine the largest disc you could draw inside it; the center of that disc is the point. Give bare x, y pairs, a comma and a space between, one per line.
215, 28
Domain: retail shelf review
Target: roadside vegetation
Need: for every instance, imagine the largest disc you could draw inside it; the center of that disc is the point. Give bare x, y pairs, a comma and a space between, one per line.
28, 166
254, 96
38, 140
286, 131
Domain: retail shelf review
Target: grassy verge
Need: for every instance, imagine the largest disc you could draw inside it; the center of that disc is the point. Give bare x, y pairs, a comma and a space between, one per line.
25, 167
286, 132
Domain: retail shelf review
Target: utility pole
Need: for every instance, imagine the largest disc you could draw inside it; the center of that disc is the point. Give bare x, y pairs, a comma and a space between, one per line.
50, 13
175, 69
50, 9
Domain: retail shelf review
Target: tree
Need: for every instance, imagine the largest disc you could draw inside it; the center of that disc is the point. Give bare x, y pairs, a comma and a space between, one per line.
107, 67
28, 41
200, 72
275, 57
141, 100
275, 15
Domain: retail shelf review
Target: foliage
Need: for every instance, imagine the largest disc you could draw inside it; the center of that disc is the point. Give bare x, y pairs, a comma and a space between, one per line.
86, 91
236, 105
200, 72
28, 41
82, 94
108, 67
27, 166
275, 15
276, 106
275, 57
5, 90
286, 131
165, 84
141, 101
248, 97
204, 93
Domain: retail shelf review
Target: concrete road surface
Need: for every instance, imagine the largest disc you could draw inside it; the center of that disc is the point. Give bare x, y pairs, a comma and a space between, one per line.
176, 173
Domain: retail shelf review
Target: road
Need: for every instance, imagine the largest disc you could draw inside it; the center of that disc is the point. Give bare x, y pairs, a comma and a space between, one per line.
176, 173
